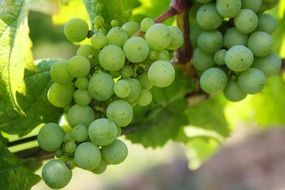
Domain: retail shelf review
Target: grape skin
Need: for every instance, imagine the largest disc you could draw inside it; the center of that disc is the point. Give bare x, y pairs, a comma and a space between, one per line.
117, 36
266, 23
146, 23
59, 73
208, 17
145, 98
219, 57
269, 65
177, 38
158, 36
233, 92
101, 168
233, 37
70, 147
114, 153
213, 80
210, 41
112, 58
127, 71
76, 30
60, 95
260, 43
246, 22
136, 49
131, 27
78, 66
82, 97
135, 90
79, 133
99, 40
80, 115
121, 112
228, 8
202, 61
122, 88
251, 81
89, 53
81, 83
254, 5
146, 84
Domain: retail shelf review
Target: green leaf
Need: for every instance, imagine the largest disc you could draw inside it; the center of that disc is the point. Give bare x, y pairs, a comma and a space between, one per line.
15, 48
34, 103
108, 9
154, 125
14, 175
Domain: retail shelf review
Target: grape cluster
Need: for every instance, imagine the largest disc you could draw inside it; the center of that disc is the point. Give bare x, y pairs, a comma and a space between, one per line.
98, 89
233, 46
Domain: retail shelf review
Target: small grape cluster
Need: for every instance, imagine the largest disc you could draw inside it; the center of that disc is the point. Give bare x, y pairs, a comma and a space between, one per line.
234, 46
98, 89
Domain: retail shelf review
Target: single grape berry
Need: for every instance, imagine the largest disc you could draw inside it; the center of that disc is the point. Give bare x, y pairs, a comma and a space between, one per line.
251, 81
136, 88
99, 40
228, 8
266, 23
60, 95
56, 174
213, 80
117, 36
201, 60
234, 37
260, 43
70, 147
233, 92
121, 112
219, 57
145, 98
210, 41
89, 53
127, 71
177, 38
136, 49
112, 58
79, 66
254, 5
82, 97
76, 30
59, 73
80, 115
146, 84
101, 168
158, 36
122, 88
269, 65
246, 22
115, 153
131, 27
81, 83
146, 23
79, 133
208, 17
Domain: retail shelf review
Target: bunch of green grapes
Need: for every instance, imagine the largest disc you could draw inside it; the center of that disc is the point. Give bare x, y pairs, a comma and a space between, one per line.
98, 89
233, 46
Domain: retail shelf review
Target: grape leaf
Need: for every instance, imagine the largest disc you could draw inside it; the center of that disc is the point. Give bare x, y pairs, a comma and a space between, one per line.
154, 125
14, 175
15, 48
34, 103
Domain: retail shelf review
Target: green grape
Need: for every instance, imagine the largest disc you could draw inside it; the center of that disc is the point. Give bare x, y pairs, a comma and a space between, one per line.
254, 5
269, 4
195, 32
58, 153
252, 81
117, 36
112, 58
145, 98
115, 23
60, 95
82, 97
163, 55
80, 115
87, 156
67, 137
131, 27
127, 71
115, 74
89, 53
213, 80
82, 83
161, 73
50, 137
266, 23
153, 55
239, 58
269, 65
228, 8
115, 153
56, 174
119, 131
233, 37
204, 1
122, 88
59, 73
158, 36
76, 30
208, 18
102, 131
78, 66
146, 84
136, 49
101, 86
70, 147
246, 22
233, 92
177, 38
79, 133
101, 168
202, 61
121, 112
219, 57
210, 41
260, 43
146, 23
99, 40
99, 21
71, 164
135, 90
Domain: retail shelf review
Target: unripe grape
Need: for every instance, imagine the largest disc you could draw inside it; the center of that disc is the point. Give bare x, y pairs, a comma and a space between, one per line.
210, 41
266, 23
70, 147
233, 92
146, 84
254, 5
158, 36
80, 115
112, 58
239, 58
260, 43
121, 112
246, 22
82, 97
102, 131
115, 23
87, 156
56, 174
122, 88
213, 80
67, 137
101, 86
146, 23
60, 95
202, 61
99, 40
81, 83
219, 57
59, 73
50, 137
78, 66
89, 53
127, 71
252, 81
114, 153
135, 90
208, 18
115, 74
233, 37
228, 8
153, 55
80, 133
136, 49
99, 21
101, 168
58, 153
269, 65
145, 98
117, 36
131, 27
161, 73
76, 30
177, 38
